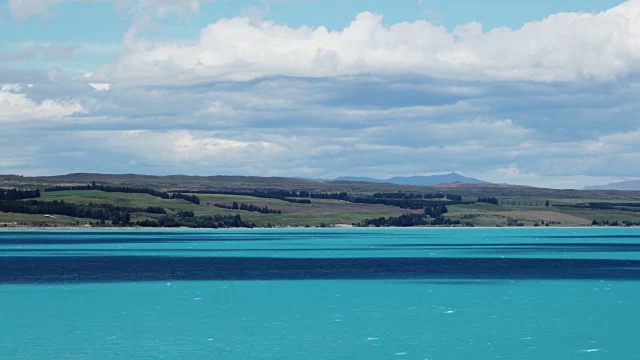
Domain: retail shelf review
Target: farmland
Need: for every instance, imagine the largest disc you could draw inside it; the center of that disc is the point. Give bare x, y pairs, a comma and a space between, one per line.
359, 201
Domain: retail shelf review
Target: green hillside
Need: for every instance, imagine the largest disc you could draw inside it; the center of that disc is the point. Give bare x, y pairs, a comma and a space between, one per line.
143, 200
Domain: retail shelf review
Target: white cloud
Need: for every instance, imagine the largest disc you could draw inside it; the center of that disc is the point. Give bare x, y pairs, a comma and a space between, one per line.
620, 140
100, 86
329, 104
24, 9
514, 175
161, 8
459, 136
16, 106
97, 86
192, 148
562, 47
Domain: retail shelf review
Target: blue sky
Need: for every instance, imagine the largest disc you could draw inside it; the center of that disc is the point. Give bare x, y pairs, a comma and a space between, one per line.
538, 93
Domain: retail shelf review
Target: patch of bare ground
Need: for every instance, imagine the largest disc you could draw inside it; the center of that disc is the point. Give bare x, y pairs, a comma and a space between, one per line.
536, 215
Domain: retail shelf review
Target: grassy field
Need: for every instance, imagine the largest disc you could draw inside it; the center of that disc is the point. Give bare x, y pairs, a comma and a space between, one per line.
525, 211
480, 214
516, 204
7, 219
320, 212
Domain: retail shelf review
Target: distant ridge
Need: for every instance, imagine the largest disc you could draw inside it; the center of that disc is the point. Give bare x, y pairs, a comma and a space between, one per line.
172, 183
418, 180
624, 185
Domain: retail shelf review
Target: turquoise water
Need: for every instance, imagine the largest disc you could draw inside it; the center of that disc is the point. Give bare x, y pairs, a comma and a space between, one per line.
321, 294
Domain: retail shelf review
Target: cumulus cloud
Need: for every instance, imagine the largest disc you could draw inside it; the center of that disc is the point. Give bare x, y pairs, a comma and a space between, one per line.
254, 97
16, 106
187, 148
562, 47
292, 126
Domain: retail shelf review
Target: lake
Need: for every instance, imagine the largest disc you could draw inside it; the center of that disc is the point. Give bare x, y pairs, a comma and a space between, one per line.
428, 293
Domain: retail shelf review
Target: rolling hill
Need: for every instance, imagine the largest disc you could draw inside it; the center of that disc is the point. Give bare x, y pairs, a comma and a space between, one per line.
419, 180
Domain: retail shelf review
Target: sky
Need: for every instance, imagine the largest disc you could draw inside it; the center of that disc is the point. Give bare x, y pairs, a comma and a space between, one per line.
537, 93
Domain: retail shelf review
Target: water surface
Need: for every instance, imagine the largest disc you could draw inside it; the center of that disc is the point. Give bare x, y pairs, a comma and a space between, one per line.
321, 294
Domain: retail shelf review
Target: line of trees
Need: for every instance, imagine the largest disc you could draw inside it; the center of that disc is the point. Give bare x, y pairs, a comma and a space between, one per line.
454, 197
488, 200
408, 220
129, 190
605, 205
185, 214
107, 188
615, 223
118, 215
411, 196
155, 210
190, 198
249, 207
211, 222
321, 195
403, 200
435, 211
431, 216
632, 207
15, 194
103, 212
284, 195
404, 203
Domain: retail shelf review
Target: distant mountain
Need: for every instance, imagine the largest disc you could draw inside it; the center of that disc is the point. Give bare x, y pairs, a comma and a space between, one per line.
625, 185
355, 178
418, 180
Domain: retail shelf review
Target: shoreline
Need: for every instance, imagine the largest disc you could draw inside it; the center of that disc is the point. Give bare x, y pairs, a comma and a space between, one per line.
134, 228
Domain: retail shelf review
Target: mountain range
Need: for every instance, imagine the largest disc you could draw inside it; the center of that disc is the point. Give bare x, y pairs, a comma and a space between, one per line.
624, 185
418, 180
